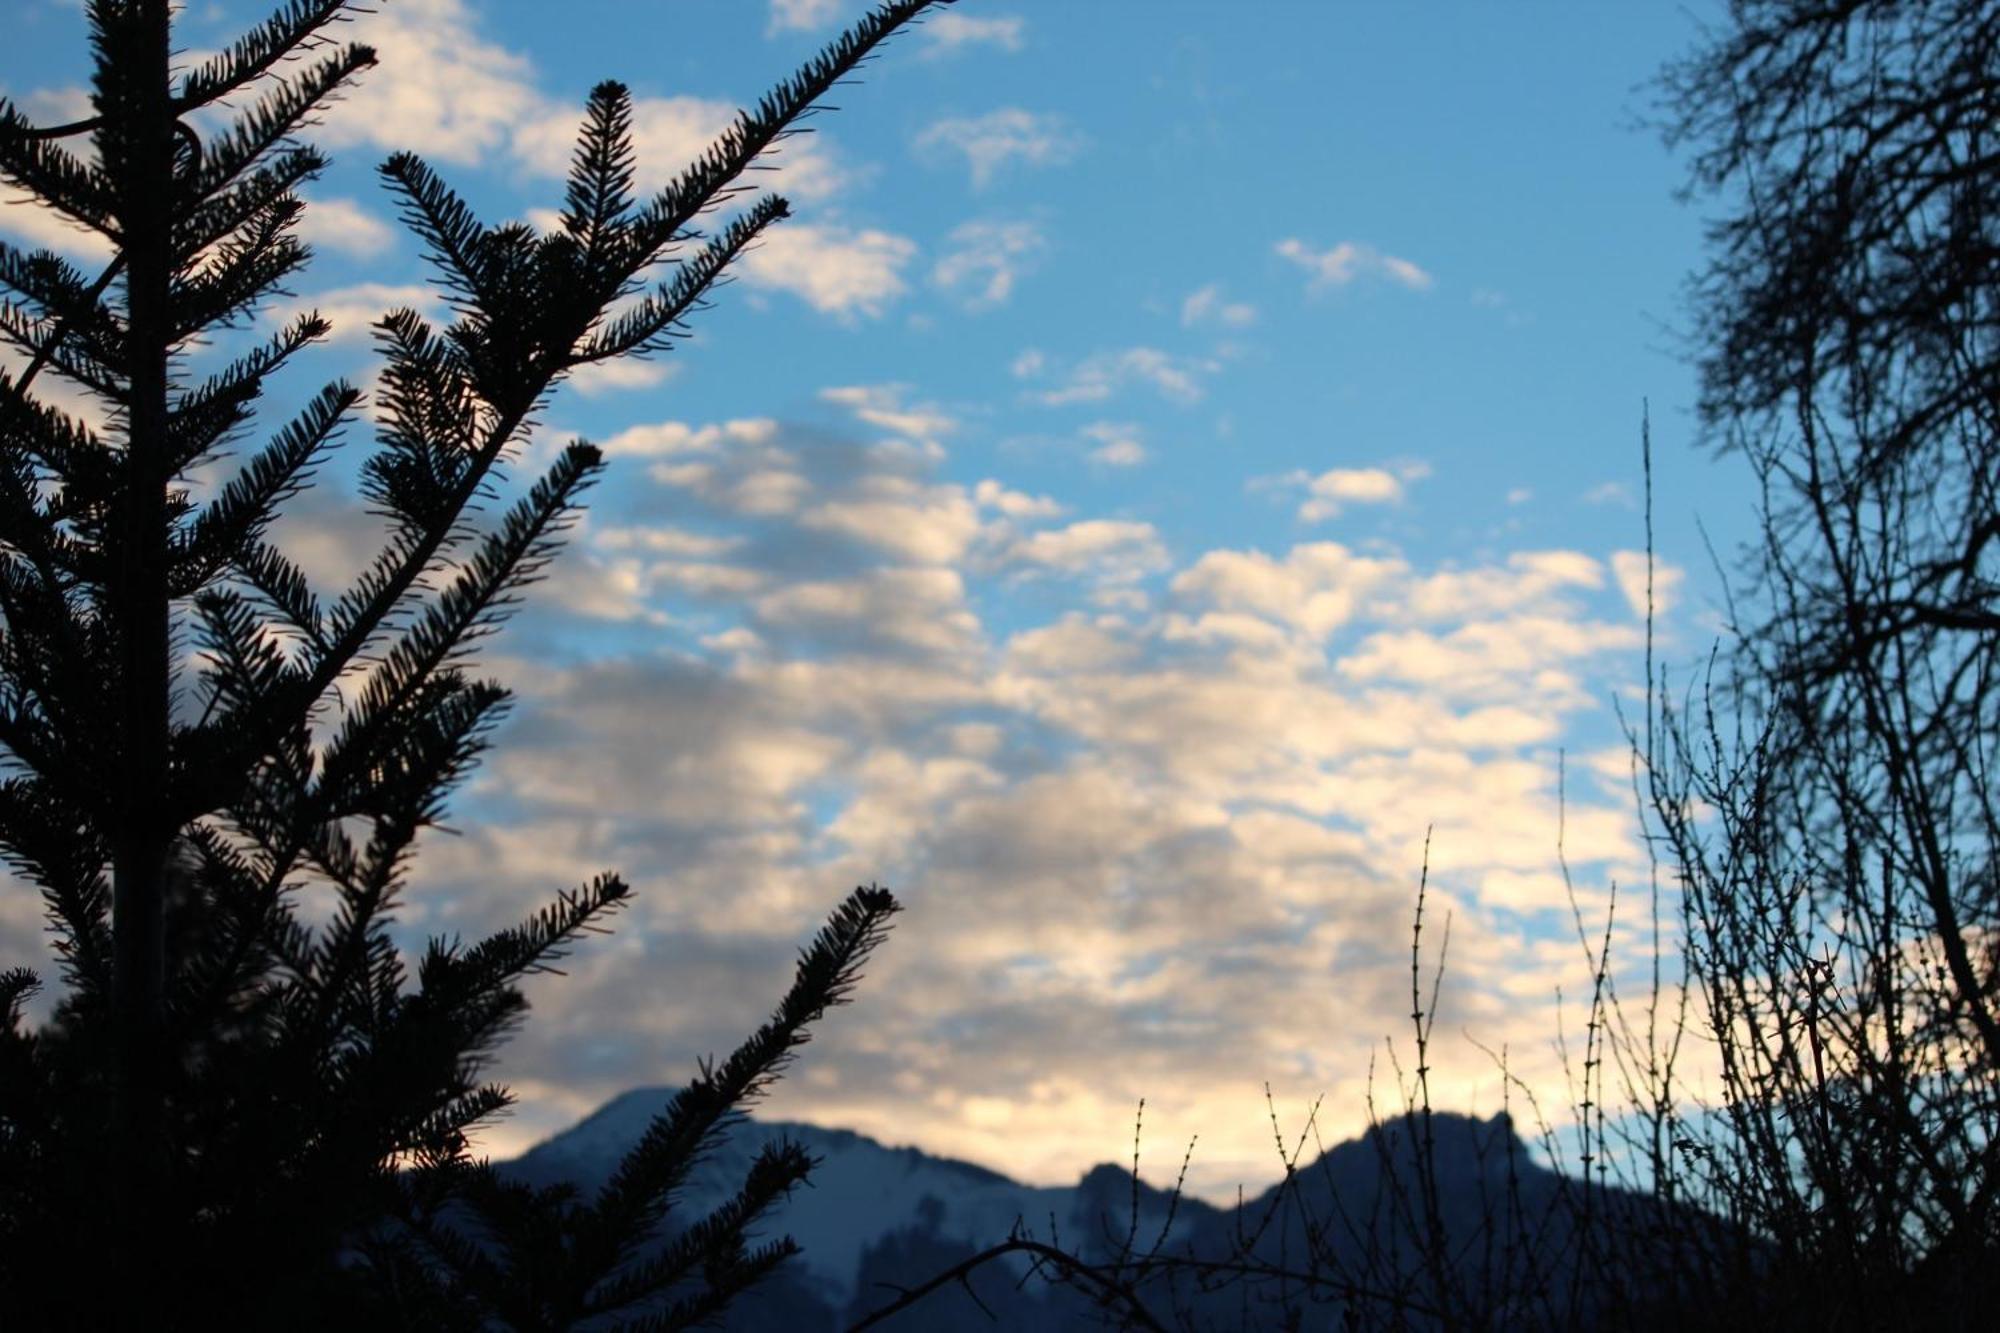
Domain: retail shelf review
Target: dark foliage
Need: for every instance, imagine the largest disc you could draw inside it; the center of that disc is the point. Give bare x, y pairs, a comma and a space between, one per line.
240, 1116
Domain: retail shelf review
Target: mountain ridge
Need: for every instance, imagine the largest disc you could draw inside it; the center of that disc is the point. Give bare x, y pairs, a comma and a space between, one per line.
876, 1217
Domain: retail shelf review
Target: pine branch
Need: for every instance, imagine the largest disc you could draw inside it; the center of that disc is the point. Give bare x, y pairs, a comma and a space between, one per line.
599, 192
232, 524
647, 326
483, 590
712, 1242
55, 846
54, 175
641, 1190
541, 941
242, 270
723, 1283
202, 420
295, 27
241, 203
454, 239
16, 985
69, 306
661, 221
45, 343
268, 123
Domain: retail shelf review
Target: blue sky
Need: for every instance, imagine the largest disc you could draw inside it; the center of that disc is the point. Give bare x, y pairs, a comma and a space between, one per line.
1177, 453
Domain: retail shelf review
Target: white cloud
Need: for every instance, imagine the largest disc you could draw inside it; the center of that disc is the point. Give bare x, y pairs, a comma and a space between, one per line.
41, 227
766, 491
1332, 492
1177, 379
1611, 493
1633, 568
1065, 805
1527, 581
1314, 590
443, 90
1117, 550
986, 259
663, 540
882, 405
950, 33
1206, 305
438, 89
623, 375
1015, 504
1030, 363
920, 609
834, 269
672, 438
343, 225
1348, 260
1118, 443
354, 310
925, 524
992, 141
802, 15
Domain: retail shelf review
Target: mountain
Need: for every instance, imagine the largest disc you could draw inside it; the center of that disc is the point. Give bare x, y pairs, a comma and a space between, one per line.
871, 1214
876, 1218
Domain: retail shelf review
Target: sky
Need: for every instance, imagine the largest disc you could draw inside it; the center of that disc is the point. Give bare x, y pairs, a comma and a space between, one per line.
1177, 457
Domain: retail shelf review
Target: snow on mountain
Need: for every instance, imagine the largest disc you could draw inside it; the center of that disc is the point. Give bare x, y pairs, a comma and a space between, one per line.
862, 1193
874, 1218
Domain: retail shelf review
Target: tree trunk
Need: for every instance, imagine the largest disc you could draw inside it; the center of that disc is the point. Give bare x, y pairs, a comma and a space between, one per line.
140, 128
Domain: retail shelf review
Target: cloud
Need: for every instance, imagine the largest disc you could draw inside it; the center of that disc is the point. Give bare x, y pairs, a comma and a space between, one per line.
949, 33
1124, 841
354, 310
1028, 364
443, 90
1349, 260
343, 225
1175, 378
1314, 590
924, 524
666, 439
1116, 550
920, 610
882, 405
990, 142
1015, 504
1118, 443
1634, 570
1128, 831
1611, 493
835, 270
1332, 492
802, 15
623, 375
1206, 305
438, 89
1537, 581
29, 220
986, 259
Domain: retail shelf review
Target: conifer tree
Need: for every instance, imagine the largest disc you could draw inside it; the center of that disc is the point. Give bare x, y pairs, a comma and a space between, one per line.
238, 1117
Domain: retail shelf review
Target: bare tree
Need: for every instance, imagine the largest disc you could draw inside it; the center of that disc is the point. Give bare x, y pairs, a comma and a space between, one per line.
1828, 797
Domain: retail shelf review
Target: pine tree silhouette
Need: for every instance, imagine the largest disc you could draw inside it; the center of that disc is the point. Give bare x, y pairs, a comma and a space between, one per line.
236, 1117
